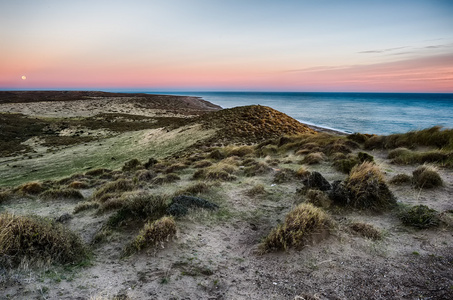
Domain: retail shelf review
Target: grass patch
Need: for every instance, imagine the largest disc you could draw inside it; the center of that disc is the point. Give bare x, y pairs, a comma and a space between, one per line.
114, 187
366, 230
368, 189
400, 179
318, 198
256, 190
426, 177
65, 193
138, 208
219, 171
420, 216
165, 178
153, 234
31, 188
37, 239
194, 189
313, 158
86, 205
298, 229
284, 175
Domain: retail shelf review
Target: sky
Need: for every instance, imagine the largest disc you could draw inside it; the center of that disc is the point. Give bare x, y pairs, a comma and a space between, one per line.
234, 45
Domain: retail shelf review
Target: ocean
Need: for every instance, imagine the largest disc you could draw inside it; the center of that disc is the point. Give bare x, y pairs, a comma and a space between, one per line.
378, 113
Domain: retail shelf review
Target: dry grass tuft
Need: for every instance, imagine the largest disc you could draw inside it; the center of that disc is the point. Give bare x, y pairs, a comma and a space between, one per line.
398, 152
420, 216
284, 175
145, 175
36, 239
5, 195
139, 206
367, 188
194, 189
258, 168
366, 230
302, 172
300, 225
153, 234
78, 185
65, 193
132, 165
219, 171
314, 158
167, 178
114, 187
426, 177
239, 151
31, 188
202, 164
85, 206
400, 179
98, 172
318, 198
256, 190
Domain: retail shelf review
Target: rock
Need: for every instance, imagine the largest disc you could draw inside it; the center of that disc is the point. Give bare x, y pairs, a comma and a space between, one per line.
63, 218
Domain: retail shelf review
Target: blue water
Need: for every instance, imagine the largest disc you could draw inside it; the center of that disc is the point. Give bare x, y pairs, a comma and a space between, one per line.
379, 113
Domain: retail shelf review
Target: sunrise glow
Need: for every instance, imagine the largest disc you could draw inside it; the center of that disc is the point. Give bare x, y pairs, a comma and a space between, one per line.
384, 46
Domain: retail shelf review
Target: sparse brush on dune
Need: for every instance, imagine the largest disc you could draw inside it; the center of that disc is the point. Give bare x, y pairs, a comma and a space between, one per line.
114, 187
219, 171
366, 230
37, 239
420, 216
426, 177
153, 234
62, 193
298, 229
313, 158
368, 189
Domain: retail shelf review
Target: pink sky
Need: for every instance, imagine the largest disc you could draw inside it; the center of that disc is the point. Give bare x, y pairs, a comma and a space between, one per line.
202, 45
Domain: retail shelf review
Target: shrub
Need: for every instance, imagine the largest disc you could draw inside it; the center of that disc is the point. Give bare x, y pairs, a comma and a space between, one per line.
150, 163
216, 154
256, 190
345, 165
318, 198
398, 152
153, 234
65, 193
366, 230
259, 168
420, 216
5, 195
367, 188
375, 141
426, 177
98, 172
37, 239
302, 173
181, 204
314, 158
145, 175
400, 179
31, 188
363, 156
132, 165
284, 175
194, 189
358, 137
139, 207
114, 187
85, 206
167, 178
202, 164
175, 167
239, 151
78, 185
219, 171
299, 226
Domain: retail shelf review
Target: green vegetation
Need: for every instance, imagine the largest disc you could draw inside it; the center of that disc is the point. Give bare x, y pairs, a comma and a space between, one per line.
300, 225
426, 177
366, 230
400, 179
36, 239
367, 188
420, 216
153, 234
62, 193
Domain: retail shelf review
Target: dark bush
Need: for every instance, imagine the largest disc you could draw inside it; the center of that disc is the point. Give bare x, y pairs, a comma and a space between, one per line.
316, 181
420, 216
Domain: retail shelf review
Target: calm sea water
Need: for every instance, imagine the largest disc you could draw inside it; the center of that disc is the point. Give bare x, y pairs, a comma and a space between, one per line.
380, 113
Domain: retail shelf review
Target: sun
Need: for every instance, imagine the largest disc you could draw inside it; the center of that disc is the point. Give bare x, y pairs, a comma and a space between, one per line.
24, 77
